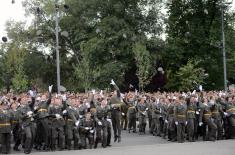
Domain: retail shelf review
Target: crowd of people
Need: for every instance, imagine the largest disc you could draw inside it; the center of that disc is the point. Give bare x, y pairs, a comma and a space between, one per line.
68, 120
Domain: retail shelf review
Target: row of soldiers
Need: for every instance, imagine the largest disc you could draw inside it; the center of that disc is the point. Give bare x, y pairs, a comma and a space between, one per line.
73, 121
51, 122
181, 116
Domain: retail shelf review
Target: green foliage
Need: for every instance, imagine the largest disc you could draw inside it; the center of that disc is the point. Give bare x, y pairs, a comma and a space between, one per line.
119, 40
144, 64
19, 81
190, 76
194, 32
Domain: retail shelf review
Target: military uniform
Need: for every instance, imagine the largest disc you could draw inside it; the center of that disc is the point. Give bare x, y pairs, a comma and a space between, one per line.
76, 136
171, 122
142, 114
16, 128
5, 131
230, 110
70, 121
216, 111
209, 126
156, 115
28, 126
165, 121
131, 114
124, 109
180, 120
86, 130
102, 125
191, 123
57, 127
42, 122
115, 103
149, 114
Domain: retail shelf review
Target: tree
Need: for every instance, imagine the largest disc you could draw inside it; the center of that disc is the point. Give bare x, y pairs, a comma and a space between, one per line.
19, 81
190, 76
194, 32
107, 30
144, 65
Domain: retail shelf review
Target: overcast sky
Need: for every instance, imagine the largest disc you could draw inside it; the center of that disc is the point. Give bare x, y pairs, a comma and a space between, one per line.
16, 12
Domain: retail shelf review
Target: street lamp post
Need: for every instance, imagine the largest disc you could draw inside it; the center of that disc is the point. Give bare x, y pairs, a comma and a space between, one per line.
223, 48
57, 30
57, 46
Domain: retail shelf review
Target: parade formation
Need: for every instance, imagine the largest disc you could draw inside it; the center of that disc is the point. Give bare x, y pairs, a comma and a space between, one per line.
74, 121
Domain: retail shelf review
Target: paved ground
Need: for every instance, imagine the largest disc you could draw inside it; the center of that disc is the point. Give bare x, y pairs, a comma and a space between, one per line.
134, 144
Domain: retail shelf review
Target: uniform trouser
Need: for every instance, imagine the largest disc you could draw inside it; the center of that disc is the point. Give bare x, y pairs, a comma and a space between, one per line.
76, 138
156, 124
181, 132
150, 121
209, 130
231, 127
57, 135
142, 123
38, 135
116, 123
5, 142
171, 129
191, 128
69, 135
218, 123
17, 135
88, 136
124, 122
43, 125
161, 119
165, 129
102, 133
29, 133
109, 134
197, 130
132, 122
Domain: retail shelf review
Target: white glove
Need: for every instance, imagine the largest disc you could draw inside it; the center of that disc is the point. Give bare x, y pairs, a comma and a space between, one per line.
147, 109
109, 120
112, 82
136, 92
93, 91
64, 112
101, 93
29, 113
99, 123
176, 123
50, 88
186, 123
35, 108
197, 112
194, 92
166, 121
123, 114
80, 116
225, 114
122, 96
87, 128
31, 93
64, 98
200, 124
77, 123
57, 116
92, 131
200, 87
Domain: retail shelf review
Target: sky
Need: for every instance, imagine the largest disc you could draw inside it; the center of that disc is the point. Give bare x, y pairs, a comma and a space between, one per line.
10, 11
16, 12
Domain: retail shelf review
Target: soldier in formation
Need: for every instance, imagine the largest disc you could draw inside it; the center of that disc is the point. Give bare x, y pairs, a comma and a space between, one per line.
83, 121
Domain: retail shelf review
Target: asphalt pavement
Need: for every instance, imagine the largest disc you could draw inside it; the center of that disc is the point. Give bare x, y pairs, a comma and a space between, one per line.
135, 144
